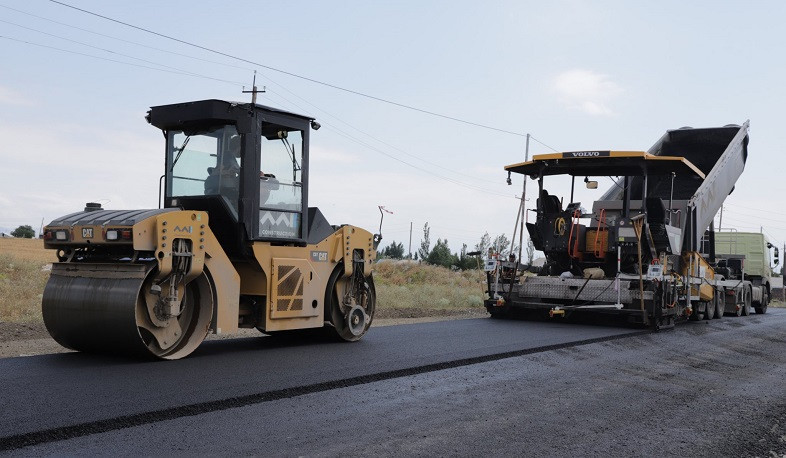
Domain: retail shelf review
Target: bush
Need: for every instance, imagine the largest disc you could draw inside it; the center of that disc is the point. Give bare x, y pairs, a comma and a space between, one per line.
24, 232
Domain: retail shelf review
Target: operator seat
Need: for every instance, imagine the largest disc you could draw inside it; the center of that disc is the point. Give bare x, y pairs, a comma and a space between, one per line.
548, 203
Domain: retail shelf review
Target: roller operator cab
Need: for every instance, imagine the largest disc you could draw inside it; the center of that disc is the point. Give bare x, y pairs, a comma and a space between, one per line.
235, 244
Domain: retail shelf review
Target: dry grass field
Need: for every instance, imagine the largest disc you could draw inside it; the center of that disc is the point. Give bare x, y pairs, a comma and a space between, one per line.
405, 289
23, 274
29, 249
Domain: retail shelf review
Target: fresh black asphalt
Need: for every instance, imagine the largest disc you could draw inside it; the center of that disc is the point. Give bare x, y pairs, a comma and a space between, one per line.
703, 389
69, 395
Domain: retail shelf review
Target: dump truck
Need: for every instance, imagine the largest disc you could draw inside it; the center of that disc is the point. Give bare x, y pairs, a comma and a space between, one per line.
233, 245
744, 266
637, 253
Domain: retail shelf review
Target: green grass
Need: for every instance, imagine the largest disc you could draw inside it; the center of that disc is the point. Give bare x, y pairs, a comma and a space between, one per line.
22, 283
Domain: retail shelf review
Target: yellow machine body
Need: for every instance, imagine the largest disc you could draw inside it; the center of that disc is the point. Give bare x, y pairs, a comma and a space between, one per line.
236, 245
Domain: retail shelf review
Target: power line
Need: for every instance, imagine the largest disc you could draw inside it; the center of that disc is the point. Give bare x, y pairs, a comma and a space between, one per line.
365, 133
547, 146
374, 148
305, 78
126, 41
339, 131
182, 72
750, 208
177, 72
775, 220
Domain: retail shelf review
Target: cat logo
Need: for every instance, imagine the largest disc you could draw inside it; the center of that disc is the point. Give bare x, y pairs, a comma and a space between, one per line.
187, 229
319, 256
87, 232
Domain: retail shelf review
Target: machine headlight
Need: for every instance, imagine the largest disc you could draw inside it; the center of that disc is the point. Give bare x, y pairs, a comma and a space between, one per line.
118, 234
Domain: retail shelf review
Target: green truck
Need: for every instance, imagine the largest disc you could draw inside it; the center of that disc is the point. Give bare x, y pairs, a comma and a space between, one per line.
745, 267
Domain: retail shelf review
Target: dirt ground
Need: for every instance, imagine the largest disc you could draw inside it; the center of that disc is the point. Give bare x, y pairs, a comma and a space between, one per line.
27, 339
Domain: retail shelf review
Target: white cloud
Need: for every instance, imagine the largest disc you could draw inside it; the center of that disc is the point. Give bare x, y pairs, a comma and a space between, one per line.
9, 97
587, 91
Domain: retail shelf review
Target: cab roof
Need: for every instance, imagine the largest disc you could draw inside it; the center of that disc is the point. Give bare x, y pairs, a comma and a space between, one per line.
604, 163
176, 115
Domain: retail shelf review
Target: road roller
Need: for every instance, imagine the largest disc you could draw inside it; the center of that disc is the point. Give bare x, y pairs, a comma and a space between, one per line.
232, 245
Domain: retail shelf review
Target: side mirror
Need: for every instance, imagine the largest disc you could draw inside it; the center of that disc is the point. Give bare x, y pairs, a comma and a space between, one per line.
776, 261
592, 185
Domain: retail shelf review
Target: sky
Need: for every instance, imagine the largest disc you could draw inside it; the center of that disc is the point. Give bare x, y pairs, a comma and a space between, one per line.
576, 75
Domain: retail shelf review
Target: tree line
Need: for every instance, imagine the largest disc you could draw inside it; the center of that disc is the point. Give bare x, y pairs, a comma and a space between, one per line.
441, 255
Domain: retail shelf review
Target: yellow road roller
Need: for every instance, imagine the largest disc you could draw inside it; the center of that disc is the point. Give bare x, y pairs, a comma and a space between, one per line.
233, 245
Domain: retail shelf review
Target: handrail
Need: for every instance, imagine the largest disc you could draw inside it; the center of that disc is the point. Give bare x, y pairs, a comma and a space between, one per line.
574, 223
601, 222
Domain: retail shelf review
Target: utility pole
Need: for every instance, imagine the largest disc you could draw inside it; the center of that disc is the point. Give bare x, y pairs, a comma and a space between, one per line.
720, 222
523, 201
254, 90
410, 240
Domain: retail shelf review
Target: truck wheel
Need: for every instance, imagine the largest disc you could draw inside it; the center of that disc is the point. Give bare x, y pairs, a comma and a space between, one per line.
709, 309
720, 303
498, 312
696, 315
737, 303
746, 308
765, 299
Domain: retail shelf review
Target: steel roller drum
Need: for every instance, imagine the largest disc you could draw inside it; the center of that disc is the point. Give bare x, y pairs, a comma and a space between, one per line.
92, 307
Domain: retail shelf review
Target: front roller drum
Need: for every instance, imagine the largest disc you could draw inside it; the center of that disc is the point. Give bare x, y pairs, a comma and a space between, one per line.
106, 308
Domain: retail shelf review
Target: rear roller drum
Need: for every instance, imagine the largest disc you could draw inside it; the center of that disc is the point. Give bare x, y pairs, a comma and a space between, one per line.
350, 304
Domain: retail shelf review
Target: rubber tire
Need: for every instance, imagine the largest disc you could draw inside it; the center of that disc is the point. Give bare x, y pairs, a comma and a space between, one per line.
765, 300
498, 312
709, 309
720, 304
737, 311
746, 308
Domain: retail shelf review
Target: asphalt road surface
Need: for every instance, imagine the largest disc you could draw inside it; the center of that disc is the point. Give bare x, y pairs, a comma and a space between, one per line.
463, 387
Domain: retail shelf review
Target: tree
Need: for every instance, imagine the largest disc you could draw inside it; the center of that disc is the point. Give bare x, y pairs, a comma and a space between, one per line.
441, 255
425, 244
466, 262
502, 244
530, 251
484, 244
24, 232
394, 251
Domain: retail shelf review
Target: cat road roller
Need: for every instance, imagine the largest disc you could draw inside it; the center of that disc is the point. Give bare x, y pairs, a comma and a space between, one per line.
234, 246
